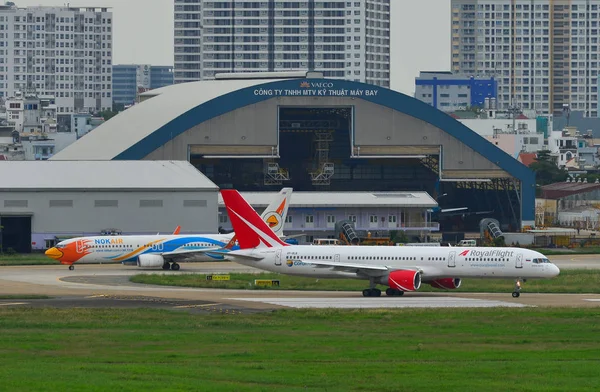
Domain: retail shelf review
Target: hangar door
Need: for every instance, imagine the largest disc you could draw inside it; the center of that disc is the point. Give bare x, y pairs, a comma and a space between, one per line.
15, 233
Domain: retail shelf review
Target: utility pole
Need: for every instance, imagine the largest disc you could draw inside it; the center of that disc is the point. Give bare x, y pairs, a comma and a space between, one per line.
514, 109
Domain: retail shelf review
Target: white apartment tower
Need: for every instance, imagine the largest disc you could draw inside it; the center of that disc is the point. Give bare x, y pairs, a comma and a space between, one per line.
544, 53
343, 39
65, 52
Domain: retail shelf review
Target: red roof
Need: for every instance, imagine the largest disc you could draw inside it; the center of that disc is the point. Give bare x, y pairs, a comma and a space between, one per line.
522, 117
563, 189
527, 158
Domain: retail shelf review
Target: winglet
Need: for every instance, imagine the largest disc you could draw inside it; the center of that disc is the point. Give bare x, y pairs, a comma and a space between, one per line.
177, 230
251, 231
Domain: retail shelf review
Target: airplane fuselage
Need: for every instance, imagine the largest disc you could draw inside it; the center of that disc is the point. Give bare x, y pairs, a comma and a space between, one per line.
127, 249
433, 262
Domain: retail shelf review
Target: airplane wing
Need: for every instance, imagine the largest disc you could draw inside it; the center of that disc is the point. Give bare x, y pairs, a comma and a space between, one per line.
188, 253
346, 266
369, 269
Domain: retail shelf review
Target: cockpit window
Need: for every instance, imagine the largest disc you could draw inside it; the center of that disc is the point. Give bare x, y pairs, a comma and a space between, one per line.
60, 246
541, 261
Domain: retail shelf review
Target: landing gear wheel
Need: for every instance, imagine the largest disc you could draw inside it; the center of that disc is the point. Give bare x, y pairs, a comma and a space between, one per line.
175, 267
517, 291
394, 292
166, 266
371, 293
71, 268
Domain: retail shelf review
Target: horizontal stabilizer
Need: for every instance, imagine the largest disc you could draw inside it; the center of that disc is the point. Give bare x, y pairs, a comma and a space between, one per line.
243, 256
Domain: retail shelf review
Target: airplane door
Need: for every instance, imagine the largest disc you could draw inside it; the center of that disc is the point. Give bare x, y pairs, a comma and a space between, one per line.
519, 261
452, 259
278, 257
336, 258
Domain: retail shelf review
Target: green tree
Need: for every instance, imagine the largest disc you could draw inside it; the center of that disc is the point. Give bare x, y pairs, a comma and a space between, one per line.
546, 171
398, 236
107, 114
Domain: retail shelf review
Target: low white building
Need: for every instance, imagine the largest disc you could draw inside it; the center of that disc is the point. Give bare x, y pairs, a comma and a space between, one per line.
511, 138
316, 214
564, 146
42, 146
41, 202
11, 148
583, 217
83, 123
489, 126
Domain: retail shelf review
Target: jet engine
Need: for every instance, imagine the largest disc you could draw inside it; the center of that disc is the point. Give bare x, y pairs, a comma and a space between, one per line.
150, 261
404, 280
446, 283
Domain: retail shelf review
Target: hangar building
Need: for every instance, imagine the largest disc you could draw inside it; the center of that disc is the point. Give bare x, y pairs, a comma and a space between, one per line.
317, 134
42, 202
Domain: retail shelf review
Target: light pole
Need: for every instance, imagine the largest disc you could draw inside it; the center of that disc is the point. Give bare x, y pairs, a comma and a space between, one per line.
567, 112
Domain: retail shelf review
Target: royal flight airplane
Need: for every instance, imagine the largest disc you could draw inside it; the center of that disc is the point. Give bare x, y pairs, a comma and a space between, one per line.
402, 268
163, 251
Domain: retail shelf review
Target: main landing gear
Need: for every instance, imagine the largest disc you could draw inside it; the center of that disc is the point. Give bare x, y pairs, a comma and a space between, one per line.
390, 292
172, 266
374, 292
517, 291
71, 267
371, 291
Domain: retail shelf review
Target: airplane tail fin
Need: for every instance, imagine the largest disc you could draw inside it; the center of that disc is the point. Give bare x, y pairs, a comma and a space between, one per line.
177, 230
251, 231
276, 212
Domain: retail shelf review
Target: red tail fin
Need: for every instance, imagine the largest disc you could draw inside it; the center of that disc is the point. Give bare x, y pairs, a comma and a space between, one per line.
177, 230
251, 231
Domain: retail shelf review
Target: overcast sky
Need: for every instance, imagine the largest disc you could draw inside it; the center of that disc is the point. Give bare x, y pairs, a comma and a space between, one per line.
143, 34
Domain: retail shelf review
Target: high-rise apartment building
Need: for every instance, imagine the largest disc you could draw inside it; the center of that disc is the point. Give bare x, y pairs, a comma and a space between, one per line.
65, 52
342, 39
544, 53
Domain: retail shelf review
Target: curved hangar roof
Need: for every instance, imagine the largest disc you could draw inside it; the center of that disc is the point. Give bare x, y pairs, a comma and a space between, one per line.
405, 126
163, 109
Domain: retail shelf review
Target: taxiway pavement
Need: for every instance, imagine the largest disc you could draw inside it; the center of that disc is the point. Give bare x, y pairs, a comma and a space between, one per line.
109, 286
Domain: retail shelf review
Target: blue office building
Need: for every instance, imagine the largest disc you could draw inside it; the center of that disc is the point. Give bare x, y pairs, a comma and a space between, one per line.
161, 76
448, 92
127, 79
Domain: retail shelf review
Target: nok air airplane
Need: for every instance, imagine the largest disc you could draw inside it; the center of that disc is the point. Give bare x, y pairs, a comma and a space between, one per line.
163, 251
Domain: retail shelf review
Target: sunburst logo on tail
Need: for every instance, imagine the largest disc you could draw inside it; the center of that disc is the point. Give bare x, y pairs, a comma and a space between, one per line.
275, 218
272, 221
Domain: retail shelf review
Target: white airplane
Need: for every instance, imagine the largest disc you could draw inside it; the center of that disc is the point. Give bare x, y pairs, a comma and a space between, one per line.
163, 251
401, 268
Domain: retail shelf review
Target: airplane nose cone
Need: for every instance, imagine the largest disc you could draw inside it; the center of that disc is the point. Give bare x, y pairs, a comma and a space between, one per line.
555, 271
53, 253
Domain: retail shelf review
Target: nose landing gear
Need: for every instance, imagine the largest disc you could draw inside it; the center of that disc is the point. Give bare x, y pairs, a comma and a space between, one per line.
517, 291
